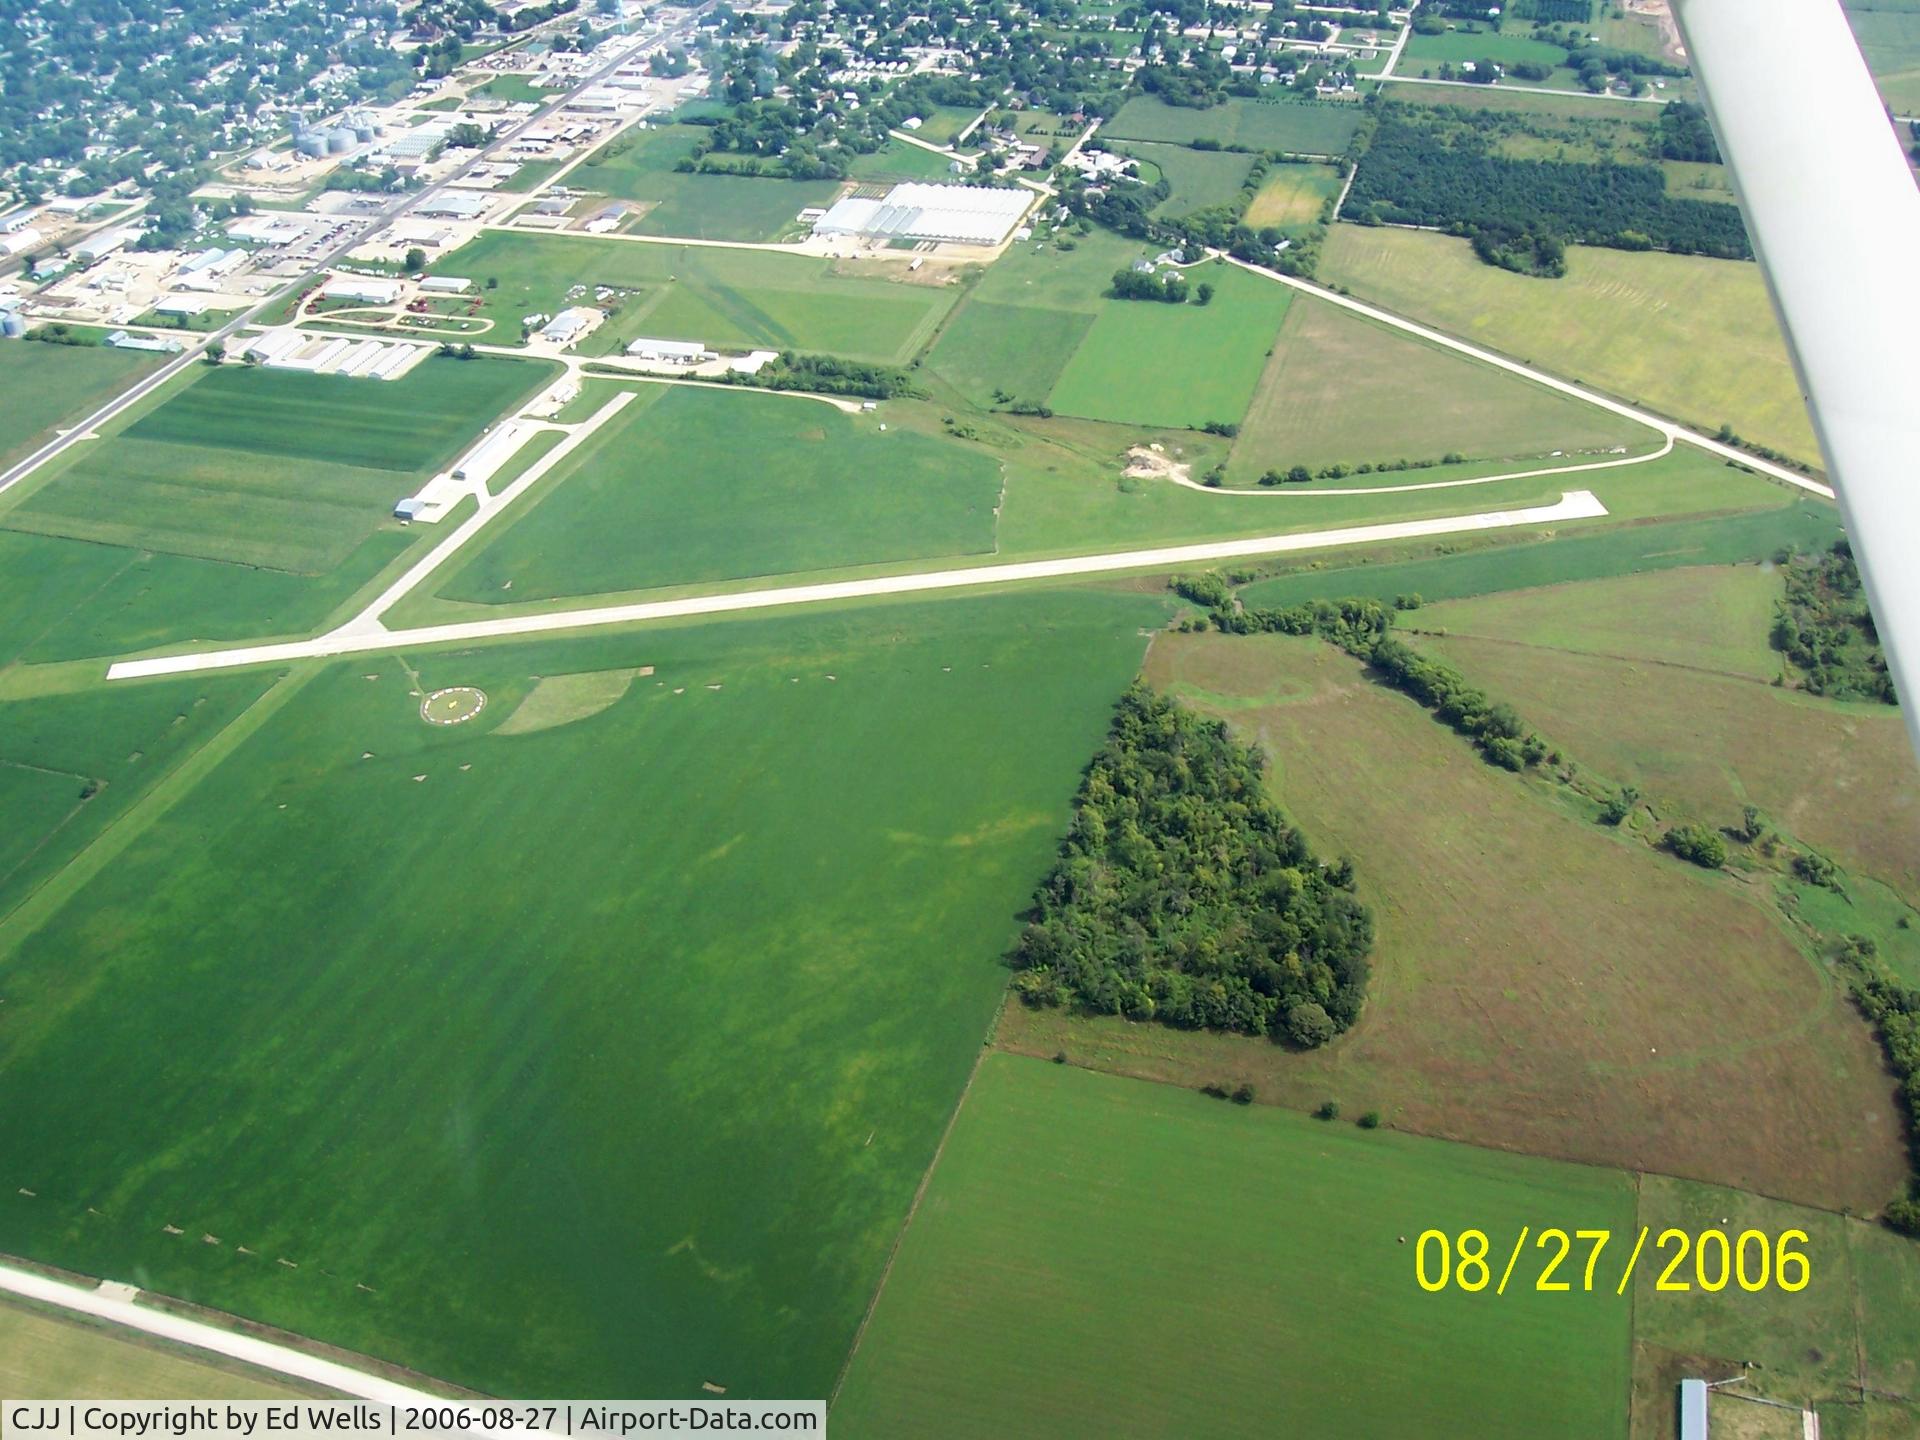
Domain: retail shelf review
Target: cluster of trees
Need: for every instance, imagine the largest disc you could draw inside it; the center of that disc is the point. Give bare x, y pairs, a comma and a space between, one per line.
1824, 627
1525, 253
1699, 844
1169, 288
1683, 133
1412, 175
1894, 1009
828, 375
1182, 894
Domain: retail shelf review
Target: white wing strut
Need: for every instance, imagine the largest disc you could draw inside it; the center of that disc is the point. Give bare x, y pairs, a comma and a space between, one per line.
1835, 219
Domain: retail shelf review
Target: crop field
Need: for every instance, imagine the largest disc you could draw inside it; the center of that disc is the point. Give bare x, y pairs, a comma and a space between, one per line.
1693, 337
1850, 1328
1889, 36
46, 385
1296, 127
73, 764
1292, 196
273, 468
781, 484
1098, 1256
1206, 359
1525, 993
700, 207
729, 298
48, 1357
1198, 178
1499, 565
1709, 730
1340, 389
624, 1115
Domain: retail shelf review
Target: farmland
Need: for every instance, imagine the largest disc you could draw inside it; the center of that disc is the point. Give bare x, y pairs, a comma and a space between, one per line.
787, 485
1523, 994
734, 298
680, 1134
1692, 337
1889, 35
640, 167
1340, 389
1300, 1249
47, 384
1198, 178
47, 1357
1292, 196
1297, 127
1207, 358
1709, 731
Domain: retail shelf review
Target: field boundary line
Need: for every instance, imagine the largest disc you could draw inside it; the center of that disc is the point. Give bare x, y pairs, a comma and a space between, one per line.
1573, 505
1280, 493
1671, 428
138, 818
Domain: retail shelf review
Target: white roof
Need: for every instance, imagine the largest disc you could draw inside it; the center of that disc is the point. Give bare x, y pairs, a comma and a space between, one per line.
974, 214
688, 349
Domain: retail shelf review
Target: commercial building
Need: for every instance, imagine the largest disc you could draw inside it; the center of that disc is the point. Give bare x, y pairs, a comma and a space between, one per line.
669, 352
454, 205
363, 289
121, 340
569, 325
961, 214
446, 284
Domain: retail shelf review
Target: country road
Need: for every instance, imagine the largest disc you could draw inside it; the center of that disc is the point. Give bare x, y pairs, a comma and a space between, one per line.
1577, 505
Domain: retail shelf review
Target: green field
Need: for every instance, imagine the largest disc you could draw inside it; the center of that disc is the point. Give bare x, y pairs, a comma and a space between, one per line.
1097, 1257
942, 124
1297, 127
1206, 359
1456, 47
1692, 337
621, 1115
1525, 991
700, 207
730, 298
46, 385
1341, 389
1292, 197
514, 89
273, 468
48, 1357
1889, 36
1199, 178
780, 484
897, 162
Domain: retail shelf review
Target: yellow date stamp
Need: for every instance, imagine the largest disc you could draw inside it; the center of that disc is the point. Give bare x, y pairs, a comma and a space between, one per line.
1555, 1261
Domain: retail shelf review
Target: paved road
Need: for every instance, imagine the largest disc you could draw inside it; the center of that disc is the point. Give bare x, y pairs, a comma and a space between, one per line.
397, 207
115, 1303
1553, 382
1579, 505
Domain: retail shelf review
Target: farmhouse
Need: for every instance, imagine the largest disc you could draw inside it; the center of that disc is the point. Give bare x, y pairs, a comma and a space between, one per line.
966, 214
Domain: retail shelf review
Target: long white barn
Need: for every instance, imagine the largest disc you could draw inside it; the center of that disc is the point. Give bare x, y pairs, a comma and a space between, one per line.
964, 214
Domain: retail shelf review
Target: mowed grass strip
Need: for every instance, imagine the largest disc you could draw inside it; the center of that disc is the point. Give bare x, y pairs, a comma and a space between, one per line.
1692, 337
1298, 127
731, 298
52, 1357
1098, 1256
1340, 389
700, 207
621, 1115
1148, 363
1527, 989
703, 485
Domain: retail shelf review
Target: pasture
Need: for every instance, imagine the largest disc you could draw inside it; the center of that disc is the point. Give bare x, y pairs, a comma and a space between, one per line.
1889, 36
1292, 197
736, 299
1709, 730
1198, 178
1295, 127
1525, 993
52, 1357
1096, 1256
1206, 360
1688, 336
639, 166
48, 385
640, 1102
273, 468
780, 484
1341, 389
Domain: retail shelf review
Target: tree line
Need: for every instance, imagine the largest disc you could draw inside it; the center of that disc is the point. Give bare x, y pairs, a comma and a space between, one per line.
1182, 894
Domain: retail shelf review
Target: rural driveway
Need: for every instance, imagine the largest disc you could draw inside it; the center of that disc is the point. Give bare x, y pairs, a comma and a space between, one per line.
1578, 505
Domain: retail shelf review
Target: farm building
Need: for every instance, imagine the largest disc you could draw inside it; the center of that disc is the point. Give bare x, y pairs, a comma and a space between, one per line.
670, 352
569, 325
181, 305
408, 508
446, 284
966, 214
366, 291
121, 340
